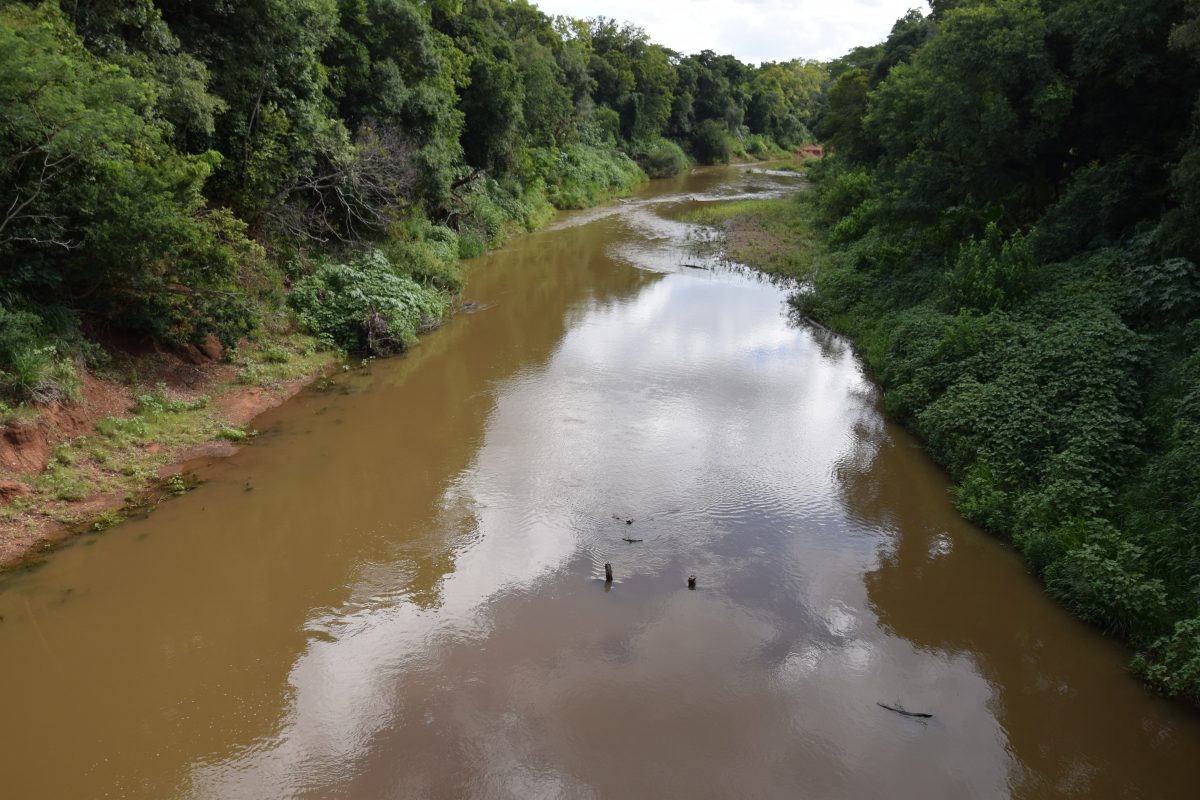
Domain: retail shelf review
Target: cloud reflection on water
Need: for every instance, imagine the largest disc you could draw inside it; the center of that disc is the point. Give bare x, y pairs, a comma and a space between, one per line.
696, 408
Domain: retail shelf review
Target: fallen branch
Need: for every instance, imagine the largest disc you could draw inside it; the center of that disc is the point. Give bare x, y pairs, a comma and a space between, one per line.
901, 710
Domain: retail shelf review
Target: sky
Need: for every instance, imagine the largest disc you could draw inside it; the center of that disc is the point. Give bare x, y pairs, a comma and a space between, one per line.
752, 30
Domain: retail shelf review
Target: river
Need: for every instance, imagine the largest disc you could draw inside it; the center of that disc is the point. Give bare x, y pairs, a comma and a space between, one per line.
397, 590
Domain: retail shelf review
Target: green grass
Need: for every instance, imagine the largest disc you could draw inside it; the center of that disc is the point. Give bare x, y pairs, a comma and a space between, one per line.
272, 363
773, 236
785, 165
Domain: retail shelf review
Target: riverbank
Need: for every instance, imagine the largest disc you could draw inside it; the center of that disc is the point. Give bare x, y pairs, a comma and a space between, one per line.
955, 383
770, 235
68, 468
82, 466
117, 434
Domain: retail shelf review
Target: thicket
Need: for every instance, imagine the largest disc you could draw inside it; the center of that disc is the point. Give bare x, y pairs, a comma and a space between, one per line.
169, 169
366, 305
1012, 226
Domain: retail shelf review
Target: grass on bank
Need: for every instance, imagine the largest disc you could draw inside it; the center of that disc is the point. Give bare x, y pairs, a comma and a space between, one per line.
123, 454
773, 236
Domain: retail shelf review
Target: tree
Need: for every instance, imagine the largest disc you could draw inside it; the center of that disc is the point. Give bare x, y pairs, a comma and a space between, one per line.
104, 213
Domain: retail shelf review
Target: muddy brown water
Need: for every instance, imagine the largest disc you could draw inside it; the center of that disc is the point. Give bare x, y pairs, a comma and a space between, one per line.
397, 591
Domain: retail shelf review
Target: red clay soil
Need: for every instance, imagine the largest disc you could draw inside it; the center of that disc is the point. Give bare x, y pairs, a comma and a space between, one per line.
26, 449
237, 408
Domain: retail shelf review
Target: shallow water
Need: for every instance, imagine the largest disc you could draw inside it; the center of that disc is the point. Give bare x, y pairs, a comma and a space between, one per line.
397, 590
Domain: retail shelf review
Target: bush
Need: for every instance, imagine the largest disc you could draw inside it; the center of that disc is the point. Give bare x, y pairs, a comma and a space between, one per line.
839, 189
35, 361
580, 176
992, 272
1103, 582
432, 264
659, 158
426, 252
498, 210
602, 127
764, 147
366, 306
471, 243
1172, 664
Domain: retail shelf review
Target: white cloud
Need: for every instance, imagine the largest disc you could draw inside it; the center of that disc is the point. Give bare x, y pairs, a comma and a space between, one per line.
752, 30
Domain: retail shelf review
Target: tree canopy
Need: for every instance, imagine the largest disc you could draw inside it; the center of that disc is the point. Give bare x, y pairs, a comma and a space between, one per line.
158, 154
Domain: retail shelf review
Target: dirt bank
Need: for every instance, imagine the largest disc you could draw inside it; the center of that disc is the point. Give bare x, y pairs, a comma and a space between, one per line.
75, 466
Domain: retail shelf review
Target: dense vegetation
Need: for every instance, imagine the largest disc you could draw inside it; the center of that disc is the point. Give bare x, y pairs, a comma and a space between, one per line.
1012, 232
171, 170
1010, 216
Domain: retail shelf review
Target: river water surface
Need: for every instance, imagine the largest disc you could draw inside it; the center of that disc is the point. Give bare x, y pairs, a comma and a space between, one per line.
397, 591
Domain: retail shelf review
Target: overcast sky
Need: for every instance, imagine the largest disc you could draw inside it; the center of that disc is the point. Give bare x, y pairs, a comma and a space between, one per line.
752, 30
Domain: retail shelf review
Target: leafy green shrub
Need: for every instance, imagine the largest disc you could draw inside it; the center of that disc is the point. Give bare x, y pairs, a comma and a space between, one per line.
837, 288
992, 272
34, 362
482, 212
659, 158
1042, 548
1172, 663
987, 496
763, 147
601, 128
499, 210
471, 243
1091, 210
272, 353
176, 484
1104, 582
105, 520
25, 367
840, 190
365, 305
37, 374
232, 434
1164, 292
580, 175
428, 253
